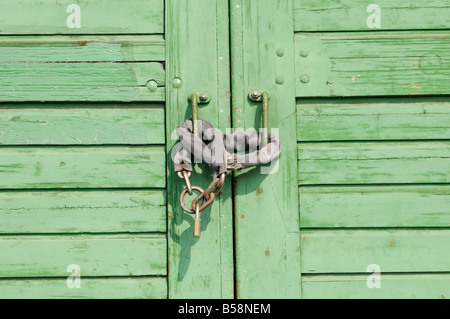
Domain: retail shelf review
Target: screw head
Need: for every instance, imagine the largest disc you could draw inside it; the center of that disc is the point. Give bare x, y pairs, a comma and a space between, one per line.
255, 94
203, 97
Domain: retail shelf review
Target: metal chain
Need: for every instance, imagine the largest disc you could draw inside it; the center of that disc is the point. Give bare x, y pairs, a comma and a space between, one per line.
221, 160
207, 196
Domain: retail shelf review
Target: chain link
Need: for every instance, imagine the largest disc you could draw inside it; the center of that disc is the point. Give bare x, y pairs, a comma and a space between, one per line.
207, 196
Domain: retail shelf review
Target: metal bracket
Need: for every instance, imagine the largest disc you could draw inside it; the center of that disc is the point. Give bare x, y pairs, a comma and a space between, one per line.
197, 98
263, 97
201, 97
256, 96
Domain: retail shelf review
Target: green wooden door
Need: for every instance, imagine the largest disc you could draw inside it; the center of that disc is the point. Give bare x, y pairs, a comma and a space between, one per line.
358, 205
91, 91
82, 168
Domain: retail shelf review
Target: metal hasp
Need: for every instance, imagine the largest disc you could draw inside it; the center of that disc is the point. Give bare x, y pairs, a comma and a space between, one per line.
197, 99
263, 97
208, 196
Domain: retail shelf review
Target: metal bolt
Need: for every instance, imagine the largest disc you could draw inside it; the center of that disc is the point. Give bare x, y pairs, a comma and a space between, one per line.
304, 79
279, 79
304, 53
203, 97
255, 94
152, 86
280, 52
176, 83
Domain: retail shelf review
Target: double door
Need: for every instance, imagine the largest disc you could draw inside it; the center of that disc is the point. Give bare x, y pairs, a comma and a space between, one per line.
356, 206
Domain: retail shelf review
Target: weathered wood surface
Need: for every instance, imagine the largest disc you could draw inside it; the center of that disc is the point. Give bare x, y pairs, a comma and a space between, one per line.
81, 81
352, 251
91, 288
266, 199
101, 255
368, 119
352, 15
82, 68
401, 286
372, 64
375, 206
82, 167
374, 162
82, 211
96, 17
82, 48
197, 60
80, 124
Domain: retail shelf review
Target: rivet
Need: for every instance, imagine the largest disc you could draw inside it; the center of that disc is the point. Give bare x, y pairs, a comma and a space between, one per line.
280, 52
279, 79
203, 97
152, 86
176, 83
304, 79
304, 53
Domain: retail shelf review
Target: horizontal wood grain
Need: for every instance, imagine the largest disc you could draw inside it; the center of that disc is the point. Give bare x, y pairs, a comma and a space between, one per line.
102, 255
374, 162
82, 167
109, 211
375, 206
369, 119
372, 64
90, 288
80, 124
96, 17
401, 286
81, 81
352, 251
81, 48
352, 15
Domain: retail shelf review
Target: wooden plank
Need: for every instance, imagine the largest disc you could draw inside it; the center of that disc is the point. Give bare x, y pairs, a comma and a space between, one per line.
372, 162
91, 288
372, 64
352, 251
75, 124
198, 61
113, 255
95, 16
82, 212
81, 167
402, 286
265, 199
375, 206
393, 119
81, 81
352, 15
85, 48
